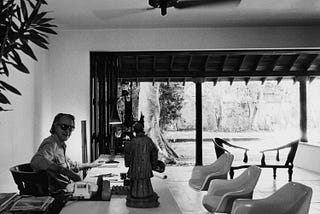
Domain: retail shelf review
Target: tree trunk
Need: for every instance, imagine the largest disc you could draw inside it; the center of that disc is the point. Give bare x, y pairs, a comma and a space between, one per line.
149, 107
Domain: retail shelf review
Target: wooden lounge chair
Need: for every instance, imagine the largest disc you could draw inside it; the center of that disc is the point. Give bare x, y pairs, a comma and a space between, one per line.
288, 164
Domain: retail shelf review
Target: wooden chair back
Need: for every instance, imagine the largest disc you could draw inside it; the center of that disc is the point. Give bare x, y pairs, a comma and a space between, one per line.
28, 181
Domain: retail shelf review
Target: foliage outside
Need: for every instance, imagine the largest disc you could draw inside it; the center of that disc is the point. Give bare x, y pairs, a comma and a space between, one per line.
171, 103
237, 108
20, 24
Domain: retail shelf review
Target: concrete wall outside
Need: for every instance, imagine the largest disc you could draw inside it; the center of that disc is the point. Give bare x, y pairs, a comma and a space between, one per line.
308, 157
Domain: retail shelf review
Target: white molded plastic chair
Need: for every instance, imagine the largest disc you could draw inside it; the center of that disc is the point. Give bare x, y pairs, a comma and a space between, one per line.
202, 175
222, 193
292, 198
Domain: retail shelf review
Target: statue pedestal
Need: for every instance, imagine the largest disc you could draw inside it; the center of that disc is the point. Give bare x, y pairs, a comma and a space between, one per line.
147, 202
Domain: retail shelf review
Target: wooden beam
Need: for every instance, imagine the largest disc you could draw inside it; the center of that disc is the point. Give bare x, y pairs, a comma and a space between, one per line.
215, 81
171, 63
189, 63
240, 62
293, 60
304, 62
274, 62
205, 64
279, 80
136, 63
314, 65
154, 60
256, 64
225, 60
231, 81
246, 80
311, 79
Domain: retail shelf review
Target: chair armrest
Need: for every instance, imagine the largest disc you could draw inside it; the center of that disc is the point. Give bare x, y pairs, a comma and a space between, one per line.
222, 186
227, 199
280, 147
220, 147
242, 206
202, 171
224, 142
234, 146
212, 176
261, 206
290, 156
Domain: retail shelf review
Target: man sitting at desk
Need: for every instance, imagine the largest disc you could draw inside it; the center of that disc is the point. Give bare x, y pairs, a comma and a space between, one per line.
51, 155
141, 156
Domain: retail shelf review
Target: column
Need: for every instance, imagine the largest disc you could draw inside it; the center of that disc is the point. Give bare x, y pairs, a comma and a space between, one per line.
303, 108
198, 83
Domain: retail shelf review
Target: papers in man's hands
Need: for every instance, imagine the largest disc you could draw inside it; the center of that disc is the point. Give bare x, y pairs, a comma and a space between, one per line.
108, 165
32, 203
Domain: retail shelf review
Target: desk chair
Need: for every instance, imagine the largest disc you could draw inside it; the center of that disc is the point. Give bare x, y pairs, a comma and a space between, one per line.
28, 181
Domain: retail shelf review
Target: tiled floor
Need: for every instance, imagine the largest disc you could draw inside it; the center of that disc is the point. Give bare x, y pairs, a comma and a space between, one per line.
189, 200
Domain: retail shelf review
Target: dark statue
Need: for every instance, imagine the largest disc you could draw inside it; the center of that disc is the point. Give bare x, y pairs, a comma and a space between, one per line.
141, 156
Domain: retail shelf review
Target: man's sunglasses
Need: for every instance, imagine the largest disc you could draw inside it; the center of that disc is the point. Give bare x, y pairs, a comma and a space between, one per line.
65, 127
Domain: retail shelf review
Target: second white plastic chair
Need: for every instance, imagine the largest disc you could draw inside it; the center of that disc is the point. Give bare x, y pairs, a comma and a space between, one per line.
202, 175
222, 193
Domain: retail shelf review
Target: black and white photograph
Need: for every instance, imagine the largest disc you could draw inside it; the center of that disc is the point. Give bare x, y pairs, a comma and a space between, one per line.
160, 106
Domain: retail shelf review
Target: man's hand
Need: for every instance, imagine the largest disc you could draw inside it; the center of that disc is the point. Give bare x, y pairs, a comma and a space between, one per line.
89, 165
95, 164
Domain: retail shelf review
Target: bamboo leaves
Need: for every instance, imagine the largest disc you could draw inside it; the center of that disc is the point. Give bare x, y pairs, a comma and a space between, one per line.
21, 22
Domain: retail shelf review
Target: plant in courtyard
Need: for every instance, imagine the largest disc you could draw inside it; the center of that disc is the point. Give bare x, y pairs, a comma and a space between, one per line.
171, 102
20, 24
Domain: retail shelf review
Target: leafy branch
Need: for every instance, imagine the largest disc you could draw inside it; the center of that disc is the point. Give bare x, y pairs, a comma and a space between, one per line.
20, 24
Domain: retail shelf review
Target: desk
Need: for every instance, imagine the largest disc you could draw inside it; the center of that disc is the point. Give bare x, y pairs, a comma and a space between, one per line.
117, 204
113, 169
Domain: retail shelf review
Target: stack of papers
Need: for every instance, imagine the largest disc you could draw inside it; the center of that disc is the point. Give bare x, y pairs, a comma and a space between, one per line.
32, 203
6, 199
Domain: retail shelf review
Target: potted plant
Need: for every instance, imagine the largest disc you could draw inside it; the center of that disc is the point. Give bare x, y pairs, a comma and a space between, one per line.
21, 22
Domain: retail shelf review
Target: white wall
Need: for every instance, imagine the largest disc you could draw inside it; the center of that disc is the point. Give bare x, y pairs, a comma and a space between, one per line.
308, 157
17, 127
59, 82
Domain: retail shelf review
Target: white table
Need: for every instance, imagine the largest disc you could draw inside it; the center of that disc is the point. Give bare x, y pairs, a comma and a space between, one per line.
111, 172
117, 204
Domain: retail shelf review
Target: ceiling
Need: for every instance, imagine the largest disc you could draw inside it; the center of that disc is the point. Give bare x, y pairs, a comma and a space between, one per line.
213, 66
101, 14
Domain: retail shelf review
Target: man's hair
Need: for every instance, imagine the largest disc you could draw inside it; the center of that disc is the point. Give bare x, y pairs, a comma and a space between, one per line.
138, 127
57, 119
